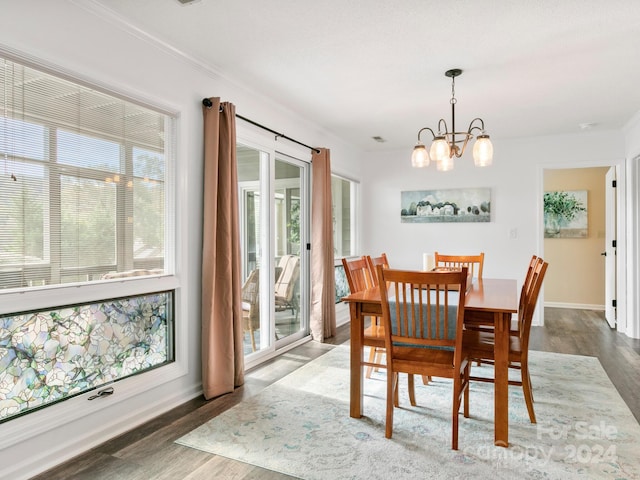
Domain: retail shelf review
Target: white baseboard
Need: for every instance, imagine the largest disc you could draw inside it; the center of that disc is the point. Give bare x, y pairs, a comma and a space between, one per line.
577, 306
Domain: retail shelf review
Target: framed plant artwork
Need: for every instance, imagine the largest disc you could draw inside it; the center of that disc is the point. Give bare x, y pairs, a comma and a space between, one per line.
565, 214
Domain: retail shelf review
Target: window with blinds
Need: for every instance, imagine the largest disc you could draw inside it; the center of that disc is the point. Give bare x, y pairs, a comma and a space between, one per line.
83, 181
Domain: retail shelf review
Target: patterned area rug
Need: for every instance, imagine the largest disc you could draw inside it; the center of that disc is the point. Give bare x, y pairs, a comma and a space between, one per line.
300, 426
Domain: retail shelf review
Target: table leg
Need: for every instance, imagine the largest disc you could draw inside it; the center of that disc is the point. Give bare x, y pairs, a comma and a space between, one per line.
357, 357
501, 392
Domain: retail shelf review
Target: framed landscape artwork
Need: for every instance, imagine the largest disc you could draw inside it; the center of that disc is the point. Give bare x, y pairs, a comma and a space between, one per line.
447, 205
565, 214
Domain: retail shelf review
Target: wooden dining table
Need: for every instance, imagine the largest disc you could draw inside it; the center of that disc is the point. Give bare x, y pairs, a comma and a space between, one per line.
493, 301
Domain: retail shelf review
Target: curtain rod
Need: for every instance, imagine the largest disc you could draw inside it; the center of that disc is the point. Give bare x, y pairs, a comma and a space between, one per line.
207, 103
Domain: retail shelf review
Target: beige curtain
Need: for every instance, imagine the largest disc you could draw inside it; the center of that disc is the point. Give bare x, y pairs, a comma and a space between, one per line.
323, 307
222, 354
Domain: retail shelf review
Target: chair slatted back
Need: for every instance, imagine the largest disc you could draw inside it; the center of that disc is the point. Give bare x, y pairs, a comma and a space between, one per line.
373, 263
358, 274
527, 284
423, 309
525, 316
474, 263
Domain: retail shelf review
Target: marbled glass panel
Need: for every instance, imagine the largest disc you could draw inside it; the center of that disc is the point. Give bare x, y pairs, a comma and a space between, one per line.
49, 356
342, 286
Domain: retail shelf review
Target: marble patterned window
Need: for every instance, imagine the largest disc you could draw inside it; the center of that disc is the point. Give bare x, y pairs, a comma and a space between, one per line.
52, 355
342, 286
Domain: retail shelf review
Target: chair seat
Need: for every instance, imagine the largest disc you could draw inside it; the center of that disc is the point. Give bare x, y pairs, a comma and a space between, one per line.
436, 362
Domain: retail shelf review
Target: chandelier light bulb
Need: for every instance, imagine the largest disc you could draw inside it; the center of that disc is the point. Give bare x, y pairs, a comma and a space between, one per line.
440, 150
445, 164
483, 151
420, 156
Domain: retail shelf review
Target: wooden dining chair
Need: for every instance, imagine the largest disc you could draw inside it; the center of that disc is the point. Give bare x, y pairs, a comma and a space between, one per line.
527, 283
422, 316
480, 344
359, 278
376, 353
474, 263
373, 262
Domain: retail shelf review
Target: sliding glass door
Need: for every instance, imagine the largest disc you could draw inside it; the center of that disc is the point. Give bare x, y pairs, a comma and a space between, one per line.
274, 225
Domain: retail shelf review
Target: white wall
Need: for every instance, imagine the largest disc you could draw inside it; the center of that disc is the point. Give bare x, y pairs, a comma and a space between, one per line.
516, 186
92, 45
632, 142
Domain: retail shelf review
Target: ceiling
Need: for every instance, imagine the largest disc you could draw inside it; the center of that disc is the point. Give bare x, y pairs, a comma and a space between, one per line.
366, 68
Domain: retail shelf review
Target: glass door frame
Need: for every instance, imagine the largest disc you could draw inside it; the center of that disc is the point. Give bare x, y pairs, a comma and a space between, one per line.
267, 186
305, 243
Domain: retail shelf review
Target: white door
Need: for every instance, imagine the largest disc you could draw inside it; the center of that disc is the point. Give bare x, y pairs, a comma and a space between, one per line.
610, 248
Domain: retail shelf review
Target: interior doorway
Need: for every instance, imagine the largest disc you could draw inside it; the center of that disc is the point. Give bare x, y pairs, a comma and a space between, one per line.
582, 273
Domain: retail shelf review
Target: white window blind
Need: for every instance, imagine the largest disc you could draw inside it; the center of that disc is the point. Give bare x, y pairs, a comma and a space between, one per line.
83, 181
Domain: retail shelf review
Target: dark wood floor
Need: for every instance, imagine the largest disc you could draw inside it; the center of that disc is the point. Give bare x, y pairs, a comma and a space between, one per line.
149, 451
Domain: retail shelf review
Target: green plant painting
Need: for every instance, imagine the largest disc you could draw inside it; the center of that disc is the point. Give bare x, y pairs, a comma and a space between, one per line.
565, 214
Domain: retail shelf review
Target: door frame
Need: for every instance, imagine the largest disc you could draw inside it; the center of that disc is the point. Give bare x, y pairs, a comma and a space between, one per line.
260, 140
610, 251
620, 216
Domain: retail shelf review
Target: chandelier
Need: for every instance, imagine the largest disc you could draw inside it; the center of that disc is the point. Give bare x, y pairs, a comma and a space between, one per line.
446, 144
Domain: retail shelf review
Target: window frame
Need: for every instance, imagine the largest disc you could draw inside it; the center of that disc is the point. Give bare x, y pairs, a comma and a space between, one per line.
354, 205
342, 310
49, 296
45, 420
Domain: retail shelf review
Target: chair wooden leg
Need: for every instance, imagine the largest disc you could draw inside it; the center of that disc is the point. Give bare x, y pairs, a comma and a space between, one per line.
426, 379
372, 358
392, 386
379, 353
465, 385
454, 423
396, 393
412, 390
527, 391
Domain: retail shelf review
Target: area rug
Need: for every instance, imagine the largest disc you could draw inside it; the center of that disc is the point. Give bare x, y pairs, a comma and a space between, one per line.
300, 426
